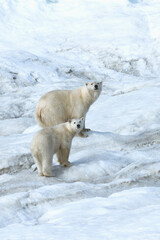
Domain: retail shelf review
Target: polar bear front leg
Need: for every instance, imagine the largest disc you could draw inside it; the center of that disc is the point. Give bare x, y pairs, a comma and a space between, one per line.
63, 155
84, 128
81, 134
59, 157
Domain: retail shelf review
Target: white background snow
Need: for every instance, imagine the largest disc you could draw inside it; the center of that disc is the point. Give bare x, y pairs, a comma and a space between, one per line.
112, 189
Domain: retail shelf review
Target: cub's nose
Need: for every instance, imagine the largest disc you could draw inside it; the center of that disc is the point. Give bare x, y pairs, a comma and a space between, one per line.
78, 125
96, 87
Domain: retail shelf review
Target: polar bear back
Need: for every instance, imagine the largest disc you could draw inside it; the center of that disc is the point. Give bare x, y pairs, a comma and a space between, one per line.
51, 138
58, 106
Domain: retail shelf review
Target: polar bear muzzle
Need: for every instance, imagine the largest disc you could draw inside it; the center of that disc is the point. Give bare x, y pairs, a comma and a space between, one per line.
96, 87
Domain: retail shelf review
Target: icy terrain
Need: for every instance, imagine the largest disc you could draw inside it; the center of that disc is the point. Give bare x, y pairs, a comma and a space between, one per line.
112, 189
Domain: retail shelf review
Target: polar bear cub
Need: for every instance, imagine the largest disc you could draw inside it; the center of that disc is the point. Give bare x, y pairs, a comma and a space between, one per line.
54, 140
58, 106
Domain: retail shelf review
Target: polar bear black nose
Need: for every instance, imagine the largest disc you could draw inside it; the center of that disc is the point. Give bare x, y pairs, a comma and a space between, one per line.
78, 125
96, 86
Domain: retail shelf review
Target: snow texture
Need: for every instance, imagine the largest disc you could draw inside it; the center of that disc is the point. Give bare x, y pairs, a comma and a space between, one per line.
112, 189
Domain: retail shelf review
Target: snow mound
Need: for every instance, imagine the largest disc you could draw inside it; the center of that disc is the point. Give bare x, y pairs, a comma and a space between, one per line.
100, 217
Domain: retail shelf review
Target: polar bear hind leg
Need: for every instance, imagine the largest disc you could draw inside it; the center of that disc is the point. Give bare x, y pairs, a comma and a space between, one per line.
47, 167
39, 165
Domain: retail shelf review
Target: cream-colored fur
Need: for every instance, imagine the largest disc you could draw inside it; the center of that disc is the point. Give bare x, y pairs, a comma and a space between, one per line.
51, 140
56, 107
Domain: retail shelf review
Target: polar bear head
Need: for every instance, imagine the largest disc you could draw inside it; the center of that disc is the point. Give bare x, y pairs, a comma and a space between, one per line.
94, 86
94, 90
76, 125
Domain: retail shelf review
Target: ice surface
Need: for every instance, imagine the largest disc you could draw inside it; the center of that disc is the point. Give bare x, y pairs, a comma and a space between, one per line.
123, 214
112, 189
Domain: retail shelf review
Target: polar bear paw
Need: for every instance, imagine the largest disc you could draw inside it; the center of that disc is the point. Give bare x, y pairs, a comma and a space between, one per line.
67, 164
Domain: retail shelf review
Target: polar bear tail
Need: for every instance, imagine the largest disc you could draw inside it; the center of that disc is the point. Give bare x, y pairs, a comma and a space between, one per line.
39, 116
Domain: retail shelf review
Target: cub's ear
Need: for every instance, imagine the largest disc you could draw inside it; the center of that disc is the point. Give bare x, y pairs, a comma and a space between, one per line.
101, 82
86, 84
69, 120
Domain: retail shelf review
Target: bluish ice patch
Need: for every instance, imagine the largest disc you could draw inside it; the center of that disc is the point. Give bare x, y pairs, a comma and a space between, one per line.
134, 1
51, 1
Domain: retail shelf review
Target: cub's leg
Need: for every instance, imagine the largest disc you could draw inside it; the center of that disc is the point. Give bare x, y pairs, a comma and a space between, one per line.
47, 167
59, 157
63, 155
38, 162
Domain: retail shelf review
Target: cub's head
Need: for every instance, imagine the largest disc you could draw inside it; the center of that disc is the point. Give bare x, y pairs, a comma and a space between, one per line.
94, 86
76, 125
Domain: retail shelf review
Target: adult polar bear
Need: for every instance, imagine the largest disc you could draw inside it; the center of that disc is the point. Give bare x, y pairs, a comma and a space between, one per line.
58, 106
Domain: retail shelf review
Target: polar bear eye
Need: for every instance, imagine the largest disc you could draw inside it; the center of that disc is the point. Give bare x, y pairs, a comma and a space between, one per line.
74, 122
91, 83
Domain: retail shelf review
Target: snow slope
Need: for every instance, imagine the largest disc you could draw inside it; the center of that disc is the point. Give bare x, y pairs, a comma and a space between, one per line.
112, 189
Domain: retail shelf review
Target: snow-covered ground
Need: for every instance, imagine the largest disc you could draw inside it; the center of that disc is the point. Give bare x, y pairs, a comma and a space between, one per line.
112, 189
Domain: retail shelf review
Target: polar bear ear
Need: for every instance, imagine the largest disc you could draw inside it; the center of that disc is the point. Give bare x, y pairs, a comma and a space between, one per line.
69, 120
101, 82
